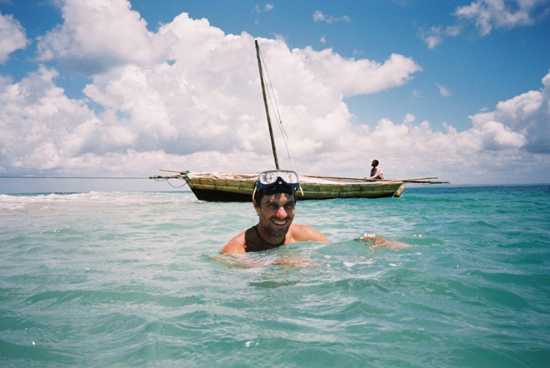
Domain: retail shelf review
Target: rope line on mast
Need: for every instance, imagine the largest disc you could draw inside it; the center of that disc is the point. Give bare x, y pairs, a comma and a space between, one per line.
272, 96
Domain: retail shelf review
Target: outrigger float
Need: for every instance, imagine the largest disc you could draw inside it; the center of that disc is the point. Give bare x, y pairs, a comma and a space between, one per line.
238, 187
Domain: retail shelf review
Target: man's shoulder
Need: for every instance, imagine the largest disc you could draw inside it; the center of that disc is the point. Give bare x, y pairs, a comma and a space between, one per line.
235, 245
301, 232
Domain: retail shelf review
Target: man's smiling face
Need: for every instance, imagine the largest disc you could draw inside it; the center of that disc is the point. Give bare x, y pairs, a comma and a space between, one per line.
276, 212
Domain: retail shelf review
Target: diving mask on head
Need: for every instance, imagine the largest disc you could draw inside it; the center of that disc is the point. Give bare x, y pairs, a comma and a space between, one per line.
277, 181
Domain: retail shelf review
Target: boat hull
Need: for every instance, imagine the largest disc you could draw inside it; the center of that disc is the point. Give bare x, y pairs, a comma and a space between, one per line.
216, 195
225, 189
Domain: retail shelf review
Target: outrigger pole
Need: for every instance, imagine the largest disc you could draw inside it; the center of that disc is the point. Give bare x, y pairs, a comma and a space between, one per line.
266, 105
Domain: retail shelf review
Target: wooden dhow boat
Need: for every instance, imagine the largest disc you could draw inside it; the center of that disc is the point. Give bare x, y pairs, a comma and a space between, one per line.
238, 187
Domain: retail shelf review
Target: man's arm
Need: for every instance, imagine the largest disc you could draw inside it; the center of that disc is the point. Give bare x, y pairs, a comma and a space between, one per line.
377, 241
235, 245
307, 233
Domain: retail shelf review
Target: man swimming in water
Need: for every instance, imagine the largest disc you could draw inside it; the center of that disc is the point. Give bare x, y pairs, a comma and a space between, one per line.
274, 199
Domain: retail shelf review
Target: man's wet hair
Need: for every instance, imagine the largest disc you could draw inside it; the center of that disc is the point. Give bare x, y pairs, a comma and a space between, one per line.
375, 162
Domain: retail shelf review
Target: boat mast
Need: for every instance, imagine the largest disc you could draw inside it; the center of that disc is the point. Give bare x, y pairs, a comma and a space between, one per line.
266, 105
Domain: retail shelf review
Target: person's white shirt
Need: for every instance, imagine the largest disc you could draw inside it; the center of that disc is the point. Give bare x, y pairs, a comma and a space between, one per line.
378, 173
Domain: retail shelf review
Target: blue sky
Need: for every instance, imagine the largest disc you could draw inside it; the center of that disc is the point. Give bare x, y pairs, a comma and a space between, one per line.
457, 60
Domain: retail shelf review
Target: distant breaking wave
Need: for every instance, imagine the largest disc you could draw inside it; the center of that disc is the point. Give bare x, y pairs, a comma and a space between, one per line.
18, 201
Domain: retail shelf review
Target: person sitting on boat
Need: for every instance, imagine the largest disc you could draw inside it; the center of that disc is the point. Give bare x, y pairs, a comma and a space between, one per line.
376, 172
274, 199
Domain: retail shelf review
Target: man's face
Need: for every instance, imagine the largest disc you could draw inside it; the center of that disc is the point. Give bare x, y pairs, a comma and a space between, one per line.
276, 212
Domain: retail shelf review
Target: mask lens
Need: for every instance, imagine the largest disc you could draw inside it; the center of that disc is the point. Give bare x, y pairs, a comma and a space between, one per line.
289, 176
270, 177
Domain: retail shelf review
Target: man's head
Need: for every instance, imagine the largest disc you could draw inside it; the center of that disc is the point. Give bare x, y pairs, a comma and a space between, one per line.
274, 200
374, 163
276, 213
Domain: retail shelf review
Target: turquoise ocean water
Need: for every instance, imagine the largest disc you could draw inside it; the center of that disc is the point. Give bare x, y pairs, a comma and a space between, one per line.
131, 279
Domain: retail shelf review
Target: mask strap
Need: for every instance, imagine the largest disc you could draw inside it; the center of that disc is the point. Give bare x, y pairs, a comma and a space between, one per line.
253, 193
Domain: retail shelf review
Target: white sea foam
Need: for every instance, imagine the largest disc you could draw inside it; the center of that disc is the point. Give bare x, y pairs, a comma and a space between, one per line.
16, 202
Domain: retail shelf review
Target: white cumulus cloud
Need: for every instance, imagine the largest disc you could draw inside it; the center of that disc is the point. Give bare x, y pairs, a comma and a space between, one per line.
353, 77
12, 36
320, 17
409, 118
266, 8
191, 88
527, 115
489, 14
435, 35
97, 34
443, 90
39, 123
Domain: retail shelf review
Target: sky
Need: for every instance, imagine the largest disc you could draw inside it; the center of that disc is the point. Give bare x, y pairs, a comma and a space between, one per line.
454, 89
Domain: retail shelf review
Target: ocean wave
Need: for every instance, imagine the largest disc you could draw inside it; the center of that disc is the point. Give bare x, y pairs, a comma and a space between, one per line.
20, 201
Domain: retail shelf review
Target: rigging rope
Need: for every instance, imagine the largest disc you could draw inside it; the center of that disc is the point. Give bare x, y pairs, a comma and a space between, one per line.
77, 177
272, 96
176, 186
98, 177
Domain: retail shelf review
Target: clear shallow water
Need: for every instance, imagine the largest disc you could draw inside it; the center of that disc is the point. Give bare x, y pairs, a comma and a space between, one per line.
131, 279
